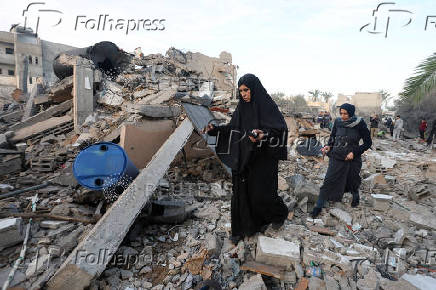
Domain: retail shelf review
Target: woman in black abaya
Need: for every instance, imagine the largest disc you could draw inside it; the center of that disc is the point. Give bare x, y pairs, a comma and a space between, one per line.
345, 163
251, 145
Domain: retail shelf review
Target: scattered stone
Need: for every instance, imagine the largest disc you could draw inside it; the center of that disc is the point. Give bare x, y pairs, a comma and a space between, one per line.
52, 224
381, 201
253, 283
126, 274
316, 283
277, 252
423, 221
341, 215
11, 232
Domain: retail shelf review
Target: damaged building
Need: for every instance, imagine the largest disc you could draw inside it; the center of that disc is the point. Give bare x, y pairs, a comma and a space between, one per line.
166, 225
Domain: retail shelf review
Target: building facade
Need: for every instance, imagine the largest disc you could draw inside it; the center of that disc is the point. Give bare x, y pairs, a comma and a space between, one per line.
26, 59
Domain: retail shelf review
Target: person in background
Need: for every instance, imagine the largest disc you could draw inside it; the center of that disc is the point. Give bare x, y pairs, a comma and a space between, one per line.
432, 133
390, 125
345, 162
398, 128
373, 120
422, 128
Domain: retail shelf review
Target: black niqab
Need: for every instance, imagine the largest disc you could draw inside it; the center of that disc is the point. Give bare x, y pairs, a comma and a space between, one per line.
234, 146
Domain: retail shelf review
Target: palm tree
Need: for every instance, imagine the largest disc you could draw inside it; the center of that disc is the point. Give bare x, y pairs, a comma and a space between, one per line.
422, 83
326, 96
385, 97
315, 94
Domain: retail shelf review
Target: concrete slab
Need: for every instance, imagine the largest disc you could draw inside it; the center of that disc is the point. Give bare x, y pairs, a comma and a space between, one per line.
83, 92
11, 232
277, 252
40, 127
341, 215
44, 115
381, 201
423, 221
253, 283
156, 111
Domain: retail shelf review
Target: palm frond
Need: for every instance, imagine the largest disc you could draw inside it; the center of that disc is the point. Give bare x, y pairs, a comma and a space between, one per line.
423, 82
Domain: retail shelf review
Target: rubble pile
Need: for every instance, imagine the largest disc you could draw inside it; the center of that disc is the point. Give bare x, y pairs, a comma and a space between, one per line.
179, 239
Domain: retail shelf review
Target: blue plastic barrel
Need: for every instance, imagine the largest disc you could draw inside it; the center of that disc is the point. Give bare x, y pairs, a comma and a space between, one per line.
103, 165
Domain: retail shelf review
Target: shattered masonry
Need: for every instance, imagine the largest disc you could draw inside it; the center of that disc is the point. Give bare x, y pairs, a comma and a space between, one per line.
179, 239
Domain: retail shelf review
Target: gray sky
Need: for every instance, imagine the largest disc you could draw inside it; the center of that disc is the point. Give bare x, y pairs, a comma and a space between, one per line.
293, 46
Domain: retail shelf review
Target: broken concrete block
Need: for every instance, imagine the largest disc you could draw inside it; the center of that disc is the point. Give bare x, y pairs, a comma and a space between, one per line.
376, 179
283, 185
369, 282
62, 90
40, 100
41, 128
44, 115
254, 283
160, 97
316, 283
212, 245
52, 224
83, 138
4, 138
420, 281
381, 201
10, 164
37, 265
331, 283
341, 215
109, 98
11, 232
83, 93
277, 252
143, 93
18, 277
399, 236
423, 221
156, 111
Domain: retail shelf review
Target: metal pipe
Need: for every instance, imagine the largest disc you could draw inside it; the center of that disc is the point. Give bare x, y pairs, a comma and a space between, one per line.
19, 191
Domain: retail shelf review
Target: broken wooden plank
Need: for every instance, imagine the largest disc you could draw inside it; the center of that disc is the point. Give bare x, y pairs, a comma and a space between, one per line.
323, 231
302, 284
50, 112
28, 132
268, 270
85, 262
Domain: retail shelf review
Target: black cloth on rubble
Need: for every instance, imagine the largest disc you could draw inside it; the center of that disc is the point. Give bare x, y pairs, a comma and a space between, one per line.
344, 176
255, 202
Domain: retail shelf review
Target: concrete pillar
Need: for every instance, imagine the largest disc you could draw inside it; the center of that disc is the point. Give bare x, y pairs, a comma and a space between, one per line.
83, 92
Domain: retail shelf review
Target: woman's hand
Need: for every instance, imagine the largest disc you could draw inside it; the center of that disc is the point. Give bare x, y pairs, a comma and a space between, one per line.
260, 135
325, 149
350, 156
207, 128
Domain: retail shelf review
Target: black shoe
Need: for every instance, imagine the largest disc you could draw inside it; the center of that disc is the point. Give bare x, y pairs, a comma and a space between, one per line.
355, 201
316, 211
235, 240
